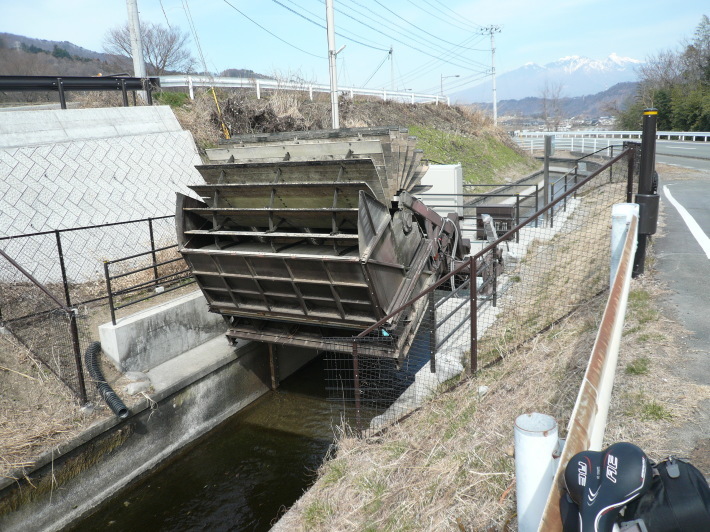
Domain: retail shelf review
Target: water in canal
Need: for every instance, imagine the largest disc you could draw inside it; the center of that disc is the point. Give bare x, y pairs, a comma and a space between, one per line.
240, 475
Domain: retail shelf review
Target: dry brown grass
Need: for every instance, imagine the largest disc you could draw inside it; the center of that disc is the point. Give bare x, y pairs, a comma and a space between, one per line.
450, 465
37, 412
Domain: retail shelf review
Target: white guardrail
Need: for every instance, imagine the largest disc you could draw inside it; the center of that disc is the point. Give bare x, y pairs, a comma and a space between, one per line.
597, 140
271, 84
587, 423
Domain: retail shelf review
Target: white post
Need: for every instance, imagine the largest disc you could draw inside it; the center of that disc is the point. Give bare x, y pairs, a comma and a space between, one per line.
258, 90
332, 54
412, 97
352, 94
189, 86
310, 92
536, 444
384, 95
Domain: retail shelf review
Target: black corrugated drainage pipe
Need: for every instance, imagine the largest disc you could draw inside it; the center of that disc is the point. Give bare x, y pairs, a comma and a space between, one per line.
112, 400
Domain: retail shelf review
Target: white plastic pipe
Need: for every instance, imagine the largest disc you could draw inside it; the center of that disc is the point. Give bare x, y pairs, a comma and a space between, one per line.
621, 214
535, 444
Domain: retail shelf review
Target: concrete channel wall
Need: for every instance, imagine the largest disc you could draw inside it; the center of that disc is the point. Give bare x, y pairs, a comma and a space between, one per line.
194, 393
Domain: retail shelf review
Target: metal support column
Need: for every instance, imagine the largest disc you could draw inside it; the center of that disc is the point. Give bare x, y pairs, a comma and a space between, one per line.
647, 198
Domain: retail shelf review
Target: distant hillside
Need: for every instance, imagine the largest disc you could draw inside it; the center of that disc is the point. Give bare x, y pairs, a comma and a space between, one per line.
604, 103
27, 56
12, 41
242, 73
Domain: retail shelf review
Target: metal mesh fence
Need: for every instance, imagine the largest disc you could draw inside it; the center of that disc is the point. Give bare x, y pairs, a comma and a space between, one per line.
69, 264
557, 260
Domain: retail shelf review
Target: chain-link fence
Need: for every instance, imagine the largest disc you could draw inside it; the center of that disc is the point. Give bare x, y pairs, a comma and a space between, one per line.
52, 315
555, 261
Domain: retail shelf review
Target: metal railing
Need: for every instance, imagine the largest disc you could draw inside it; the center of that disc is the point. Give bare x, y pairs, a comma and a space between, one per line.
161, 283
490, 305
588, 420
259, 85
73, 258
64, 84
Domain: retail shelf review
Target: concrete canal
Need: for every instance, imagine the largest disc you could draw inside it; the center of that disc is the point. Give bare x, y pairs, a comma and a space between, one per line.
240, 475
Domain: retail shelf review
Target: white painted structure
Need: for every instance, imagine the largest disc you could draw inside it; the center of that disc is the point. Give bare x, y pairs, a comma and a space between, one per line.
445, 194
535, 462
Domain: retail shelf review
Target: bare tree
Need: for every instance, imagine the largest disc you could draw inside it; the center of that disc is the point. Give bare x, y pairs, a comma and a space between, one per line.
661, 71
551, 94
163, 48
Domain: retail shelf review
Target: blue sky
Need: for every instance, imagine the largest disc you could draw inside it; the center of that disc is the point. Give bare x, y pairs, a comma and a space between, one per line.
430, 38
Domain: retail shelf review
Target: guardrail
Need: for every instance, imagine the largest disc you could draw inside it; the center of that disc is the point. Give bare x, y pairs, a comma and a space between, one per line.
695, 136
588, 421
271, 84
576, 144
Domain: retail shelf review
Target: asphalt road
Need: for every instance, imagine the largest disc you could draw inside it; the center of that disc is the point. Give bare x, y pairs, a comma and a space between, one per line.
684, 154
682, 251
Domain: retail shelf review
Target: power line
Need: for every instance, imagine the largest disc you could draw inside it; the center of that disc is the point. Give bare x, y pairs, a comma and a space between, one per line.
421, 29
191, 23
384, 22
442, 4
270, 33
450, 21
429, 66
377, 69
408, 45
323, 27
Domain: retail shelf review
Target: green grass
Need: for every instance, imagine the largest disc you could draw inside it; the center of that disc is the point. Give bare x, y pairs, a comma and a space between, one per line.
653, 411
335, 470
316, 514
640, 306
173, 99
639, 366
647, 409
481, 158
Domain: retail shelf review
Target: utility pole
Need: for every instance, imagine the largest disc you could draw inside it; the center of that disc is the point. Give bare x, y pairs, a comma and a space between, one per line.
134, 27
332, 54
492, 30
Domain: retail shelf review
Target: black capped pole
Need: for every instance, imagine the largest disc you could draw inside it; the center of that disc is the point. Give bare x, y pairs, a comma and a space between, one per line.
647, 197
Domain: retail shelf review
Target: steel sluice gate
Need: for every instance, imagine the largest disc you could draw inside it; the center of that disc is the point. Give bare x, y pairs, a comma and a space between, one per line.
309, 238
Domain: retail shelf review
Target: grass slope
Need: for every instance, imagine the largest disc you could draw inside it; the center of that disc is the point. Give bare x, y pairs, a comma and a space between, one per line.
485, 159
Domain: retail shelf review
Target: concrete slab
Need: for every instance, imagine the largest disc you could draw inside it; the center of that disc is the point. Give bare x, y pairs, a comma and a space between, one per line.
147, 339
176, 373
46, 126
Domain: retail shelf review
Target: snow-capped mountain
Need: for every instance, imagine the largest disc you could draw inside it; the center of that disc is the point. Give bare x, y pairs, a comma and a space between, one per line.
575, 75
